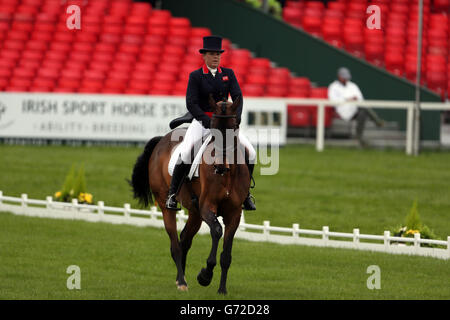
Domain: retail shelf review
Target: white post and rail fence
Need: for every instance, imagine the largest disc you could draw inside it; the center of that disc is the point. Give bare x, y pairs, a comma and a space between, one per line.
251, 232
409, 106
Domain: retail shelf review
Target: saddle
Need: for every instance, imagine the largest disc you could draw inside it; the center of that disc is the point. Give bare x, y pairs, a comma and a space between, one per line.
193, 171
187, 118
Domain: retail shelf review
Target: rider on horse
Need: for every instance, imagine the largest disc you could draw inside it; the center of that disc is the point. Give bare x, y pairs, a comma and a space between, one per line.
220, 82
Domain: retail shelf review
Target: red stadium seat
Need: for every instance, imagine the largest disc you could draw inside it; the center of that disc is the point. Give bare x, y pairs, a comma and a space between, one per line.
276, 91
292, 16
254, 90
5, 73
141, 8
138, 84
200, 32
12, 88
298, 93
300, 83
24, 73
299, 116
257, 79
135, 91
153, 39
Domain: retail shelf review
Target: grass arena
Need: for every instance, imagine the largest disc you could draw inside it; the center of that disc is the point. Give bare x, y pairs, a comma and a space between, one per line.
342, 188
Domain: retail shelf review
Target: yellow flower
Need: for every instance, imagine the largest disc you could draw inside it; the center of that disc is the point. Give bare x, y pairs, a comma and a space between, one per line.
412, 231
88, 197
85, 197
58, 194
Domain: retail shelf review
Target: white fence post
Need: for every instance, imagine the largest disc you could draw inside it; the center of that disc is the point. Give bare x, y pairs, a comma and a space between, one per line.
295, 230
49, 202
320, 131
100, 209
417, 241
74, 204
126, 211
1, 196
153, 213
325, 230
448, 246
24, 197
242, 221
387, 242
356, 237
266, 231
181, 216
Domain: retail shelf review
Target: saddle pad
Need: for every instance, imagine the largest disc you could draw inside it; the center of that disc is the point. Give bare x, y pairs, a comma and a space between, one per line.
193, 172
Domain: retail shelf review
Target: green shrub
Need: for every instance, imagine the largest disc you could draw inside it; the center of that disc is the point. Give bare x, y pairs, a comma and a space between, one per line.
74, 187
413, 225
79, 185
412, 220
67, 189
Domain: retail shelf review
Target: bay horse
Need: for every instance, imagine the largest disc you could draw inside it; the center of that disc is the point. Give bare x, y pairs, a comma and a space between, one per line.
220, 190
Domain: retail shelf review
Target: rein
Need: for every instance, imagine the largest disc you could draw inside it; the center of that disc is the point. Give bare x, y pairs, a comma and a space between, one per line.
223, 116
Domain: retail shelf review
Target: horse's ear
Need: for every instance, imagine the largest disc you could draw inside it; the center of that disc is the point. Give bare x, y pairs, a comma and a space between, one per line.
236, 103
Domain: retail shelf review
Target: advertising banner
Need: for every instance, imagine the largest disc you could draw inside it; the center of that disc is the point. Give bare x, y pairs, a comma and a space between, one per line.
119, 117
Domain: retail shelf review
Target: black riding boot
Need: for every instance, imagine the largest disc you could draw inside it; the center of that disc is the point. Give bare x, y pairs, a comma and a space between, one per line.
179, 173
248, 203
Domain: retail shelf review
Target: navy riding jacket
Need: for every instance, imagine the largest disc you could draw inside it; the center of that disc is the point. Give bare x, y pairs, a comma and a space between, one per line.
202, 83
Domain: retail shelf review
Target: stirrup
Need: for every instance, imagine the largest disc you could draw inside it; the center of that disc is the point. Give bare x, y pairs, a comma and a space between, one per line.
172, 203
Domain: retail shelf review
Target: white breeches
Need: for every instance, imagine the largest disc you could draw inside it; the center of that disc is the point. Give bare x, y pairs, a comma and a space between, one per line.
194, 136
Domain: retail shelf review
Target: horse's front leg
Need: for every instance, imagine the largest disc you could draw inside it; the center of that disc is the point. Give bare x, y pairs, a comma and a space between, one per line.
190, 230
170, 224
205, 275
231, 225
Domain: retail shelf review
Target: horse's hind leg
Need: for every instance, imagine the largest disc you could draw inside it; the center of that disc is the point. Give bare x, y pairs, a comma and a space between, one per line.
231, 225
170, 223
189, 231
205, 276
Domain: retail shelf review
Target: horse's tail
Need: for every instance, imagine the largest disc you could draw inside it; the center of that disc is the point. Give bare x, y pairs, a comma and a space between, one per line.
139, 179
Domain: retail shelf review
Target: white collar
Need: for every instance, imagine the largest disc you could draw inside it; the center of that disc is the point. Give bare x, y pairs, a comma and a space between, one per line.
213, 71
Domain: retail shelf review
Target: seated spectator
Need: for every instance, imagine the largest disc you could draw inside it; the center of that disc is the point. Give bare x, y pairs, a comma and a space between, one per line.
343, 89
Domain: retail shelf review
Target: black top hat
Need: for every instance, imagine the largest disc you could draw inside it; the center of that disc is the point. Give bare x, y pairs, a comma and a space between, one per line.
212, 43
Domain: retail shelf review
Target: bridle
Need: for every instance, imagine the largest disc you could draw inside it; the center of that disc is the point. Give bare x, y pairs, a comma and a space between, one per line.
220, 169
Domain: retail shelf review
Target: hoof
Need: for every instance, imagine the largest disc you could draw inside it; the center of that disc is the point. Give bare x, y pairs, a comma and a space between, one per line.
185, 283
204, 277
183, 287
222, 291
